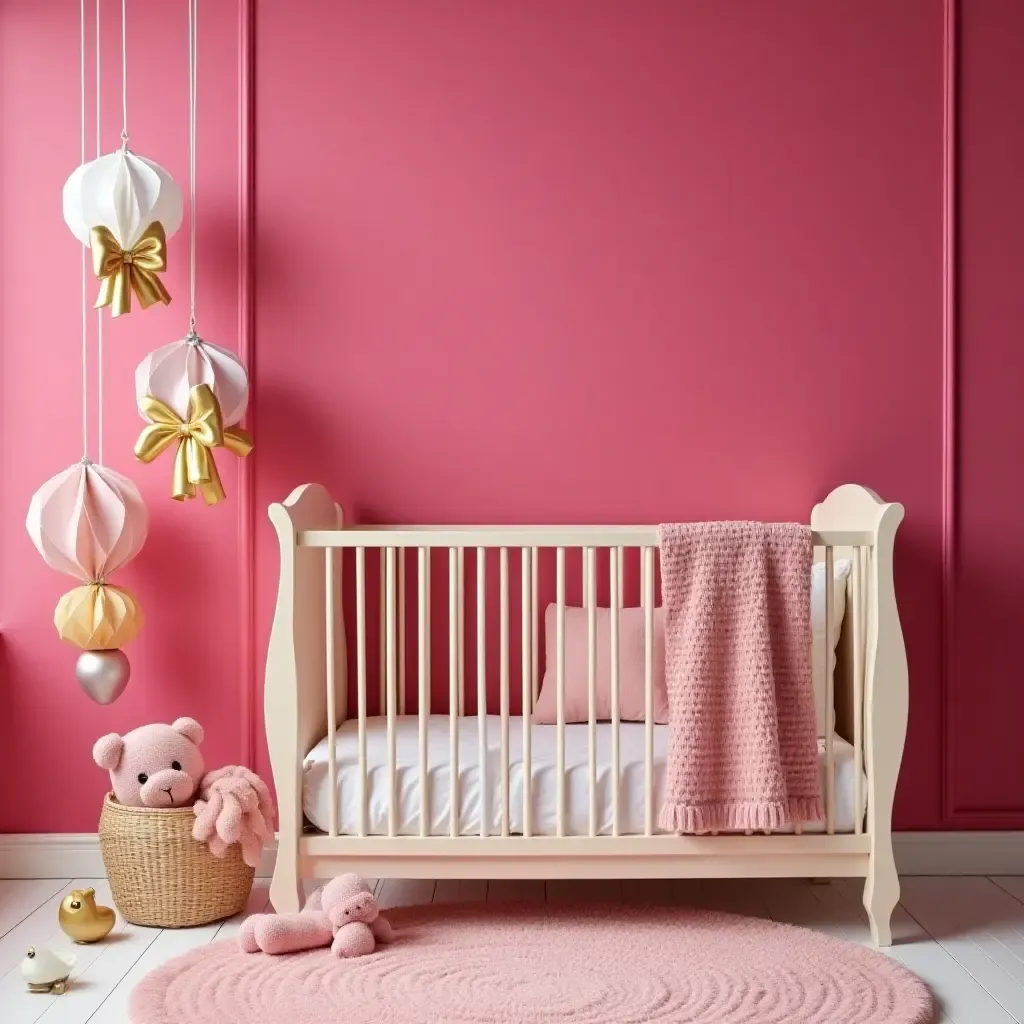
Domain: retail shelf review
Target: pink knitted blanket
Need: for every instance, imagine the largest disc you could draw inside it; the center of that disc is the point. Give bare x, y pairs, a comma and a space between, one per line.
743, 750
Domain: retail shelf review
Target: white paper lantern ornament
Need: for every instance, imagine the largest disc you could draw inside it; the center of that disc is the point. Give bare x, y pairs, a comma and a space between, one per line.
124, 193
124, 208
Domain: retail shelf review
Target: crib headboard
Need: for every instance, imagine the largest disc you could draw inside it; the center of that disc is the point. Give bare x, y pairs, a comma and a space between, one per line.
870, 643
296, 696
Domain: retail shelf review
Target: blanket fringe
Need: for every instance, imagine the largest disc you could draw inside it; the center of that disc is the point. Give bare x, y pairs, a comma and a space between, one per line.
694, 819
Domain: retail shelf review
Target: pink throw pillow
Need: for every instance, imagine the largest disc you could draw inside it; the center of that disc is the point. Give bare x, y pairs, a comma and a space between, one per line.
631, 667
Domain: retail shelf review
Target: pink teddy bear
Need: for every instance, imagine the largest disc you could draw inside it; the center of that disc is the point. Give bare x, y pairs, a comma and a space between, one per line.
344, 916
154, 765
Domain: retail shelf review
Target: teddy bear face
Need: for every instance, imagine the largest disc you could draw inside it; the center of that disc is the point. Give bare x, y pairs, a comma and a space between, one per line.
154, 765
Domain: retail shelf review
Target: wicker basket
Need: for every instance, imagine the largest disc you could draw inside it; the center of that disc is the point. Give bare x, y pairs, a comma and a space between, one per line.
160, 876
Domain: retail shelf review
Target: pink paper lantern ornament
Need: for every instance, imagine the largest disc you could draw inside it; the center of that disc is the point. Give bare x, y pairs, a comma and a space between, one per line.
171, 371
88, 521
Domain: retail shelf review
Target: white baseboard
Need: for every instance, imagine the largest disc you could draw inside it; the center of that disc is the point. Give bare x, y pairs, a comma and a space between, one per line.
72, 855
959, 853
77, 855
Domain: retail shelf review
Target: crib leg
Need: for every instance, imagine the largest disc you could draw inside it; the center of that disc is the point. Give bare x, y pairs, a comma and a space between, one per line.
286, 886
881, 894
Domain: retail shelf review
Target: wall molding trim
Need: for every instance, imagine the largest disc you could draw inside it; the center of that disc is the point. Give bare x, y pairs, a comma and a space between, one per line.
248, 689
77, 855
947, 776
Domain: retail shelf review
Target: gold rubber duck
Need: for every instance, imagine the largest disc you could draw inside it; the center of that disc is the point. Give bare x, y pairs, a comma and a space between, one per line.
80, 918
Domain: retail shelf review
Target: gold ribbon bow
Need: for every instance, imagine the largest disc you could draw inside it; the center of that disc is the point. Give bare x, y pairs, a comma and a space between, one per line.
123, 271
203, 430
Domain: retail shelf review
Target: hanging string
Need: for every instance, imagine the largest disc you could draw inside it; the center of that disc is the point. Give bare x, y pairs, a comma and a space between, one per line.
85, 294
192, 38
99, 312
124, 78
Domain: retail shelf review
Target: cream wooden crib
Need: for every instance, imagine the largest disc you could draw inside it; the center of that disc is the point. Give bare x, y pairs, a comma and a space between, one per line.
594, 828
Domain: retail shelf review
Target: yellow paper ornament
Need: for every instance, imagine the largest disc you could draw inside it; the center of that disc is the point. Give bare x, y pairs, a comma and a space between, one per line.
98, 617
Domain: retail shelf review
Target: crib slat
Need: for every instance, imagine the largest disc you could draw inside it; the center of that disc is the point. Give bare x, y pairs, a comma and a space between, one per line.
392, 693
648, 601
621, 557
504, 694
560, 690
481, 685
857, 585
462, 631
383, 665
614, 604
528, 628
590, 598
401, 630
454, 690
329, 627
422, 710
534, 628
361, 683
830, 754
426, 650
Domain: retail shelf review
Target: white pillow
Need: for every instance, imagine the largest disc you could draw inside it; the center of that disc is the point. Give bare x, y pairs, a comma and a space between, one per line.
819, 673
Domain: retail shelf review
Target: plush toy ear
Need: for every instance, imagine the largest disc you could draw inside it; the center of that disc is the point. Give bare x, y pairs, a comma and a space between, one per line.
189, 728
106, 752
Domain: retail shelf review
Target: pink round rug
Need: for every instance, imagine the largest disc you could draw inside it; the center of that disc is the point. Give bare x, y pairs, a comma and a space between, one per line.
546, 963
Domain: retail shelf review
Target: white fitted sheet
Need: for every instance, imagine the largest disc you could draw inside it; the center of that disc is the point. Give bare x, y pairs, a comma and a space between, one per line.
476, 788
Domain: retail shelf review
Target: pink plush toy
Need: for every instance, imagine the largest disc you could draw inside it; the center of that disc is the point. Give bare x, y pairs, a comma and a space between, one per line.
344, 916
154, 765
233, 806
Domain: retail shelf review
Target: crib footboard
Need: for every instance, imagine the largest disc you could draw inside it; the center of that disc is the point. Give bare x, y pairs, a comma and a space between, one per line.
414, 589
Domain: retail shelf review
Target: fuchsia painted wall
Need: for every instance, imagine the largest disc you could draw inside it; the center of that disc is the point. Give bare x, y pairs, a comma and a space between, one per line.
571, 260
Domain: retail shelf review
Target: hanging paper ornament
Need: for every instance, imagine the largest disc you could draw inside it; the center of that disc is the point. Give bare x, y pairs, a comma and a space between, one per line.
124, 207
172, 371
98, 617
124, 193
196, 435
87, 521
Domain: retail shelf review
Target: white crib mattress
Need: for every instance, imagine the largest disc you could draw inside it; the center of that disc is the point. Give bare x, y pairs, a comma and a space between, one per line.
476, 788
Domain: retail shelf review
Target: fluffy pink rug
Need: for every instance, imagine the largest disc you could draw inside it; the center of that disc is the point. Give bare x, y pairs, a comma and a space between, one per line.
545, 963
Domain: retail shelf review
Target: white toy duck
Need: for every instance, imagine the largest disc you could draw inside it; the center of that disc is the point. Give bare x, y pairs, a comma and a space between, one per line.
47, 971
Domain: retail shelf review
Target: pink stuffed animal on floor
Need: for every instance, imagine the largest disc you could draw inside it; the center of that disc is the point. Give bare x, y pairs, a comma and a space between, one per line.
344, 916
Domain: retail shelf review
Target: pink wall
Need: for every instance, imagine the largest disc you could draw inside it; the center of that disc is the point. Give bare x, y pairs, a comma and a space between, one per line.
581, 260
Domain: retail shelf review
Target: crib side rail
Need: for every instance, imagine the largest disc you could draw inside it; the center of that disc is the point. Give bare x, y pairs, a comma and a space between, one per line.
848, 524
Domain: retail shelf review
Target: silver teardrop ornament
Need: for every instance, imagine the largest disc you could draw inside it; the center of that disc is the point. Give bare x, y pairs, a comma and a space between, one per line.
103, 675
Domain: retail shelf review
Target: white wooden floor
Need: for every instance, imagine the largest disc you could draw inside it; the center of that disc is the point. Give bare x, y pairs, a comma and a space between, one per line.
964, 936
